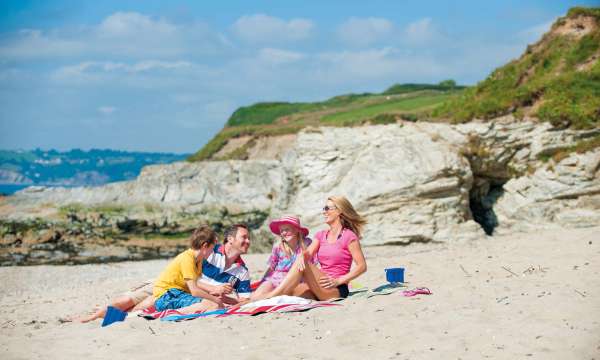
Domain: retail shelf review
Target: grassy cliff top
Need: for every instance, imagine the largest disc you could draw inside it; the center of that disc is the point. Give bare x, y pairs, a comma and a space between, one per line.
557, 79
408, 101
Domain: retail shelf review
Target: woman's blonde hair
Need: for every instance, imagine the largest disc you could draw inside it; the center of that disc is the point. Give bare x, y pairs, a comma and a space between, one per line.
349, 217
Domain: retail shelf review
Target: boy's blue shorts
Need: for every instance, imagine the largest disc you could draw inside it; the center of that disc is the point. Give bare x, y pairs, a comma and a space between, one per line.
175, 299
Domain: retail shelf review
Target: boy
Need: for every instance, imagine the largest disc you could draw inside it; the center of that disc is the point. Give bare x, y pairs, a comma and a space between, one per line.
176, 287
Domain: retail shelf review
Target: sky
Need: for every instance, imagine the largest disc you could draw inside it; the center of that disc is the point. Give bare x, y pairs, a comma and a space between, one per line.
166, 75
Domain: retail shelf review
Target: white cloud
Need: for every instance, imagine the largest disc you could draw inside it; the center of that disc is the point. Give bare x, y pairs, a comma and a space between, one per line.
420, 31
123, 34
132, 24
278, 56
373, 64
154, 64
94, 70
364, 31
31, 43
106, 110
262, 28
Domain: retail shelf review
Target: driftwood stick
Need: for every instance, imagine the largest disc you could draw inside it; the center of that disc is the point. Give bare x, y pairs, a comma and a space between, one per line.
579, 292
509, 271
465, 271
152, 331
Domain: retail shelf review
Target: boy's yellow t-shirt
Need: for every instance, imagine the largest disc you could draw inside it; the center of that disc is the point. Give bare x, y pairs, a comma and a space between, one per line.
181, 269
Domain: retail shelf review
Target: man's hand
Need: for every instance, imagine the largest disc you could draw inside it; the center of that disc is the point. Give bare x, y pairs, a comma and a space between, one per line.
220, 304
229, 300
220, 290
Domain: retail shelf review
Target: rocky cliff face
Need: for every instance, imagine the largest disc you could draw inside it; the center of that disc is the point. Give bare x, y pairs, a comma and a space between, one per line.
413, 181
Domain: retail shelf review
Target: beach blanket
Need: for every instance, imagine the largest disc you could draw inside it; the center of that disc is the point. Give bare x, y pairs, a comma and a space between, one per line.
278, 304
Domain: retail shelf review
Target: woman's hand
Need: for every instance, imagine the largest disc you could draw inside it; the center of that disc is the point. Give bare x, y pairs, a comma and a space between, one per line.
328, 282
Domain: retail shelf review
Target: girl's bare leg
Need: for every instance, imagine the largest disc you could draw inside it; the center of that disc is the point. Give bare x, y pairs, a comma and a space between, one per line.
263, 289
289, 283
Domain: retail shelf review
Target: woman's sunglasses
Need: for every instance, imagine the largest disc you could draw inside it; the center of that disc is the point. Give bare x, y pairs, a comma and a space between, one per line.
327, 208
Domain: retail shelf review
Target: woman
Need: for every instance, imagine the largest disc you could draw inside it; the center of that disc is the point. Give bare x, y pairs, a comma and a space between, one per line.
293, 243
336, 248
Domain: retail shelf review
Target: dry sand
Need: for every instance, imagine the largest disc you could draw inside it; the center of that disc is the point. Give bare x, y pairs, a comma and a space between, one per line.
548, 309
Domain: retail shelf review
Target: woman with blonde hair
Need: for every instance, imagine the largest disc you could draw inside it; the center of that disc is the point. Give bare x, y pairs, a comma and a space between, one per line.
336, 249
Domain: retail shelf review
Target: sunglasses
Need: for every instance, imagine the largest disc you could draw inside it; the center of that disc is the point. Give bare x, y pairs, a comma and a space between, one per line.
327, 208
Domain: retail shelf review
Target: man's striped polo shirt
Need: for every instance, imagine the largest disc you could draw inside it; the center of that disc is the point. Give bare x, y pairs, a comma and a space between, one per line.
214, 272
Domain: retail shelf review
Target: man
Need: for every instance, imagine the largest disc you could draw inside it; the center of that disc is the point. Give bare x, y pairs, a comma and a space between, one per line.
222, 273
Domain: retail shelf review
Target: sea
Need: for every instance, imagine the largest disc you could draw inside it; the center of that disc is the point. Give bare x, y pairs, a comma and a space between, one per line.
9, 189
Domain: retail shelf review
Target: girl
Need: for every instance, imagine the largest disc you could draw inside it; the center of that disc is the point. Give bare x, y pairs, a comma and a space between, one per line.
293, 242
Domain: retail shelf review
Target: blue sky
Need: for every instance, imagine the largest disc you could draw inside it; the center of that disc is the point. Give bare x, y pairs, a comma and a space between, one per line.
166, 75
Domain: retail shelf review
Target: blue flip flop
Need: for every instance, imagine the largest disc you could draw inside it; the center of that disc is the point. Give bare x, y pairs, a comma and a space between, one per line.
113, 315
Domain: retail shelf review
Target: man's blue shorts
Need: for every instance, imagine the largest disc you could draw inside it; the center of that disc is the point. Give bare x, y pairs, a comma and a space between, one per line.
175, 299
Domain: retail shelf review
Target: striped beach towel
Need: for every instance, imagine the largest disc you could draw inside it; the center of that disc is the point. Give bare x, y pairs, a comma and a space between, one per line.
279, 304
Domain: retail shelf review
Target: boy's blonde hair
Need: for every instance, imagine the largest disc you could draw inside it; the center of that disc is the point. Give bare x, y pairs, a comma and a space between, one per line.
202, 235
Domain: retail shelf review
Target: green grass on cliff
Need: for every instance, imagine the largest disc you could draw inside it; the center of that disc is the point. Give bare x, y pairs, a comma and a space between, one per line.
279, 118
556, 80
420, 101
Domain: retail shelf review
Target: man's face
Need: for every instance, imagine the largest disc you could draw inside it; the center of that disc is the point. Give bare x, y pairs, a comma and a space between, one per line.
241, 241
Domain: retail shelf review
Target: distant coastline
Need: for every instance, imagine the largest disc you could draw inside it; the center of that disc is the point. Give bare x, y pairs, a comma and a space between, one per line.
21, 168
10, 189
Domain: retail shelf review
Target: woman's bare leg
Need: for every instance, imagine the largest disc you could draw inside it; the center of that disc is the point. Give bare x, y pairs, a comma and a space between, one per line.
303, 291
312, 274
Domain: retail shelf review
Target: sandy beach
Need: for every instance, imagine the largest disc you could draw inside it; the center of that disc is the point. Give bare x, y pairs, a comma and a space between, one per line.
532, 296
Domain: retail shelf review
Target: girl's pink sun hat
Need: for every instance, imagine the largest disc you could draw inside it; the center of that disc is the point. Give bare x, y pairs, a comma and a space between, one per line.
287, 220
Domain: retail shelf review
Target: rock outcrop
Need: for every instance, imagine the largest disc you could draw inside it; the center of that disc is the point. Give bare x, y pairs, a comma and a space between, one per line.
413, 181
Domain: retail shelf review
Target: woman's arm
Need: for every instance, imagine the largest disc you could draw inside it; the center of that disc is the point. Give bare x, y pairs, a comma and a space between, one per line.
359, 259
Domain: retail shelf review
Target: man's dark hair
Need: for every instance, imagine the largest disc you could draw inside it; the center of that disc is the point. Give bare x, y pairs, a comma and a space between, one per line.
232, 231
202, 235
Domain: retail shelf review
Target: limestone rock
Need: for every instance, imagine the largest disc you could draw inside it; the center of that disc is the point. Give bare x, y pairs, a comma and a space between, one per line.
413, 182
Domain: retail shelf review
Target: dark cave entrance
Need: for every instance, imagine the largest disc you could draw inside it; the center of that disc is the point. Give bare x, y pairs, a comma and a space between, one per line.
483, 196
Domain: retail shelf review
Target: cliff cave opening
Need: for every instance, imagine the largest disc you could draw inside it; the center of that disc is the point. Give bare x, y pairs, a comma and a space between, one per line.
482, 198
